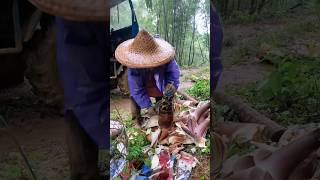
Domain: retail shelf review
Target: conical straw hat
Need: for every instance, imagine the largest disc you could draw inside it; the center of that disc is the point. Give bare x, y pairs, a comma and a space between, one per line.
144, 51
79, 10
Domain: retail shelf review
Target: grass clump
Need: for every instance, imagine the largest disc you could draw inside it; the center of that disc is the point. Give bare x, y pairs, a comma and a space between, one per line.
200, 90
291, 93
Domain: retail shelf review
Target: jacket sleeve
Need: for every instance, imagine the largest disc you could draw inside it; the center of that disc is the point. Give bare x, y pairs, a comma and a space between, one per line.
138, 89
173, 73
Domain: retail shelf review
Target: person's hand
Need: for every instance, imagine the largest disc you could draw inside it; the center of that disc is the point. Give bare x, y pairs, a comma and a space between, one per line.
169, 90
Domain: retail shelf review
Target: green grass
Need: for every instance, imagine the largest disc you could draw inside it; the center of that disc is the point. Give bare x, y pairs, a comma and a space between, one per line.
137, 141
239, 149
291, 93
13, 166
12, 171
200, 90
276, 41
37, 156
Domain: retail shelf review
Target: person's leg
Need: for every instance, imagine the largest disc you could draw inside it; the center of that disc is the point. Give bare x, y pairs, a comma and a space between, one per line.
135, 111
83, 151
85, 91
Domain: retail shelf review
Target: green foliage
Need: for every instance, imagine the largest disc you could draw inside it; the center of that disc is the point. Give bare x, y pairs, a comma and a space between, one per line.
119, 16
12, 172
243, 17
303, 27
200, 90
206, 150
244, 11
103, 163
291, 93
224, 113
317, 8
203, 178
167, 18
174, 21
149, 4
237, 148
37, 156
13, 167
199, 150
295, 79
137, 140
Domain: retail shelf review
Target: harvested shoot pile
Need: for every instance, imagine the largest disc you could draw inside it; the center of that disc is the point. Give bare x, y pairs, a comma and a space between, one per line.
255, 149
158, 149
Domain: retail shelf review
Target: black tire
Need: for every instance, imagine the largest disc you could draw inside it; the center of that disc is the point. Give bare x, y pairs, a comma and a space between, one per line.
42, 73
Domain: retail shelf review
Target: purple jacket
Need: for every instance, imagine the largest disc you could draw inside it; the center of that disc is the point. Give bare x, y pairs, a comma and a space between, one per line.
163, 75
216, 39
83, 68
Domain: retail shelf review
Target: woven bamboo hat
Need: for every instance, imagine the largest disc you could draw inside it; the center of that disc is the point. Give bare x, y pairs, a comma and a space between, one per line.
144, 51
78, 10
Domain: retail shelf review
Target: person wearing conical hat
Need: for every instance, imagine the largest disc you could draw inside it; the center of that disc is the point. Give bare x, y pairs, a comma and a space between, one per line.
151, 66
81, 57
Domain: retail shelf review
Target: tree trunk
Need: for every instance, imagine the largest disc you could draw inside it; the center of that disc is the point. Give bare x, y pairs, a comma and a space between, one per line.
173, 23
252, 8
261, 5
158, 22
203, 58
226, 5
192, 41
165, 21
233, 6
184, 36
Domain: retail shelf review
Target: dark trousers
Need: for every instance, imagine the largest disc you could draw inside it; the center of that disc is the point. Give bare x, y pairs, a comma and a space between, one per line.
136, 110
83, 152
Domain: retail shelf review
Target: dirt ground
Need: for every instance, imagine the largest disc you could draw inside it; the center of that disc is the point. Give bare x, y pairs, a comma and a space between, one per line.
241, 68
40, 132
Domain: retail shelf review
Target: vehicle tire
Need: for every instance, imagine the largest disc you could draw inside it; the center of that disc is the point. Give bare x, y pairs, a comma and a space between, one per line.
123, 82
42, 73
